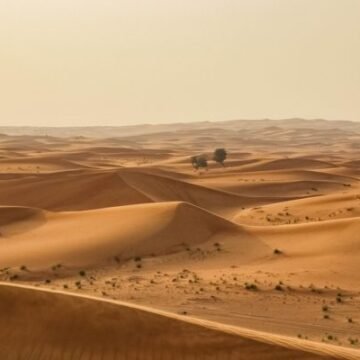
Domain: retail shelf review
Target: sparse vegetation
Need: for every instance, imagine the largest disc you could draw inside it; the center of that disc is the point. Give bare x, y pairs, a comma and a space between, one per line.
353, 341
250, 286
56, 267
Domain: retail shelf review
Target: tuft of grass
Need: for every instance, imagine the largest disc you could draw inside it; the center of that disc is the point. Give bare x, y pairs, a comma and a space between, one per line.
250, 286
279, 288
277, 252
56, 267
23, 268
326, 317
47, 281
353, 341
325, 308
82, 273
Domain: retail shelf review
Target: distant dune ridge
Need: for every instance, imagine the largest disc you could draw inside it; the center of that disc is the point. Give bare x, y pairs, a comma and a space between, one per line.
112, 246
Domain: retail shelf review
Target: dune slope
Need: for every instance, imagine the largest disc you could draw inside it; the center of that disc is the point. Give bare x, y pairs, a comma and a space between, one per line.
96, 236
41, 324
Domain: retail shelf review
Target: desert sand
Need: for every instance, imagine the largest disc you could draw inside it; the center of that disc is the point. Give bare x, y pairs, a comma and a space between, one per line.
113, 247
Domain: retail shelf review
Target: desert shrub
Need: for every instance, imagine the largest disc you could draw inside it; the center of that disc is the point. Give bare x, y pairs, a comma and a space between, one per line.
250, 286
353, 341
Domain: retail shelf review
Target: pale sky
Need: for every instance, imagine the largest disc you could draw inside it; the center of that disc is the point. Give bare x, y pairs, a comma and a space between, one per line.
117, 62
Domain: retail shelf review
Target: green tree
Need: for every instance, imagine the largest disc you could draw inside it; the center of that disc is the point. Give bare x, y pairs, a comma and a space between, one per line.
220, 156
199, 162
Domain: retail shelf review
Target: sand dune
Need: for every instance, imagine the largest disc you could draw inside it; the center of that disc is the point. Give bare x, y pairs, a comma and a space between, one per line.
98, 236
265, 247
43, 324
80, 190
334, 254
345, 204
284, 189
70, 191
289, 163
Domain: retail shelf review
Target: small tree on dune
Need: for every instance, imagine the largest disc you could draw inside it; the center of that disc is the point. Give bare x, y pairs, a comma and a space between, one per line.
202, 162
194, 162
199, 162
220, 156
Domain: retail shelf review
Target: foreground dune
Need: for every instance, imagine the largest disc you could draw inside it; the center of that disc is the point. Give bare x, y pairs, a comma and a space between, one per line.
40, 324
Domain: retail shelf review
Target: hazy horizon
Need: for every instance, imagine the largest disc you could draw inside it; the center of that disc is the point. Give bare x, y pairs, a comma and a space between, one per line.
93, 63
174, 123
